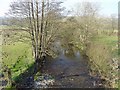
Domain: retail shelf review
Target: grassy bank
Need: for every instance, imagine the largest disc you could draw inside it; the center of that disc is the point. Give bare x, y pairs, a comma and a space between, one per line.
103, 54
17, 56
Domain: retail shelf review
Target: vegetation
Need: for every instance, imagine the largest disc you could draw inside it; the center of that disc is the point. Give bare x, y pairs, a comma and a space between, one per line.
29, 43
17, 57
104, 50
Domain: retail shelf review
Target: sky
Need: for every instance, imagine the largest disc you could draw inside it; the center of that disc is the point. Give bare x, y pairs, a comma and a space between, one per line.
108, 7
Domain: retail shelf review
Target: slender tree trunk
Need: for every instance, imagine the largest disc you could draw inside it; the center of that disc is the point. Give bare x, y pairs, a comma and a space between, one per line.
46, 26
41, 30
34, 24
37, 28
32, 32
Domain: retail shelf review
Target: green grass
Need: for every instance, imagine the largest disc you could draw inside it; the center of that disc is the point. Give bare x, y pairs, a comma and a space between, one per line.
18, 57
105, 39
111, 41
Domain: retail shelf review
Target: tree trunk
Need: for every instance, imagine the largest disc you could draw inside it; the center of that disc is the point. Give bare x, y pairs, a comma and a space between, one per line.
41, 30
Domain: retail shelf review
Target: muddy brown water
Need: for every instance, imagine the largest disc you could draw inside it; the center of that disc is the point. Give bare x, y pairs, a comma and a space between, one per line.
71, 72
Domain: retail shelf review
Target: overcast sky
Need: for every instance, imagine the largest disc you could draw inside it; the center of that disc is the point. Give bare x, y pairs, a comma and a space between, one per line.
108, 7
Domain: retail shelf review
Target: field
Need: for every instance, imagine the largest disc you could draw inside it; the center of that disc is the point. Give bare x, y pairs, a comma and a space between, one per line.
110, 41
16, 55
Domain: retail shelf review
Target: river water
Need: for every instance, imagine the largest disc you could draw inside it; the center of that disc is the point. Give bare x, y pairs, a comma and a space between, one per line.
71, 71
66, 71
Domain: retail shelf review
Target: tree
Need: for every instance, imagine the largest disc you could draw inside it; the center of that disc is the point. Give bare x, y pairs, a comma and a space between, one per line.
87, 16
41, 21
68, 34
114, 22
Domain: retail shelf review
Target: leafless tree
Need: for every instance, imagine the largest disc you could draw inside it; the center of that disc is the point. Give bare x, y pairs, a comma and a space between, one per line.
42, 22
86, 14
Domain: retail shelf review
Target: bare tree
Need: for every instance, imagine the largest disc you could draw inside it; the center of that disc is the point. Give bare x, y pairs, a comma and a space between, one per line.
43, 22
86, 14
114, 22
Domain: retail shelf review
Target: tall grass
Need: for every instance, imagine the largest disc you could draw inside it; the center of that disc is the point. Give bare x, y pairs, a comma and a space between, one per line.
100, 55
103, 57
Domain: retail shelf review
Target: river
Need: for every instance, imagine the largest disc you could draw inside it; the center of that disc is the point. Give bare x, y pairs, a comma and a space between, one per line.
65, 71
70, 71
